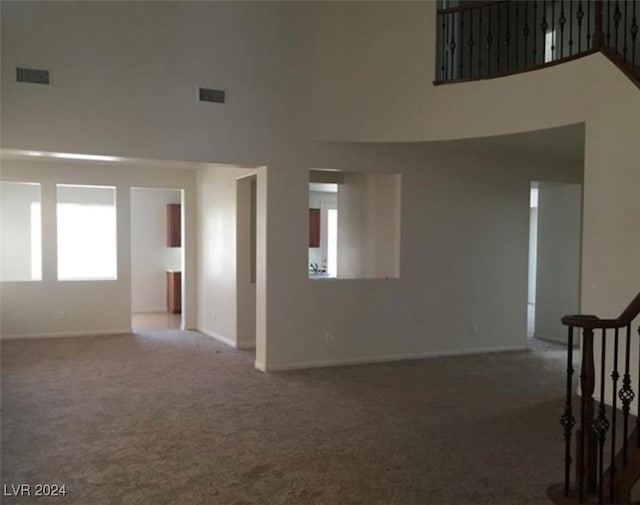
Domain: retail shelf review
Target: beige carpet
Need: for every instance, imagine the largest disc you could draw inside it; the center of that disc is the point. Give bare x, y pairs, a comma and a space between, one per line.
177, 418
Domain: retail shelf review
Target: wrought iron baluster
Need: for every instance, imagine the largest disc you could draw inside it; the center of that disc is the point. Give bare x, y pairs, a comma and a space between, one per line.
470, 43
570, 27
588, 24
443, 75
601, 424
609, 24
615, 375
525, 32
543, 27
553, 30
517, 35
452, 46
562, 21
461, 30
580, 16
626, 23
489, 43
499, 42
626, 395
567, 420
535, 31
480, 43
634, 38
507, 36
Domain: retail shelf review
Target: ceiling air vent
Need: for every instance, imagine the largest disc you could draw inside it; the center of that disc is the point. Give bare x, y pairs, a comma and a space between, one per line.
34, 75
211, 95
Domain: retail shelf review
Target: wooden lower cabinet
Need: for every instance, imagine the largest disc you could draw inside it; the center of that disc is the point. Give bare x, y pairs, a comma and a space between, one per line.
174, 292
314, 227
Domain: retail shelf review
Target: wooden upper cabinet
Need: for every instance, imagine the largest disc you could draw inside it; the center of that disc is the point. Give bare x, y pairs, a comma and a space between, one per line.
173, 225
314, 227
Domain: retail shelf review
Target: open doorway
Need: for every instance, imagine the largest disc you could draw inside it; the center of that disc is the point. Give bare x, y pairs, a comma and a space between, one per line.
554, 259
533, 259
246, 260
156, 259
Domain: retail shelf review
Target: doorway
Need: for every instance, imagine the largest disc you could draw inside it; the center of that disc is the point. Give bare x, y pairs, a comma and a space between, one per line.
246, 260
555, 256
157, 233
533, 259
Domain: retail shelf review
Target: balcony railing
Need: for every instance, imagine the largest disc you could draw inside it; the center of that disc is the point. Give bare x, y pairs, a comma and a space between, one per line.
480, 40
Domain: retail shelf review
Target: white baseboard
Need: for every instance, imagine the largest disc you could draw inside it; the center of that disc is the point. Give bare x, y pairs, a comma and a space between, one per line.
554, 340
63, 334
381, 359
243, 346
218, 337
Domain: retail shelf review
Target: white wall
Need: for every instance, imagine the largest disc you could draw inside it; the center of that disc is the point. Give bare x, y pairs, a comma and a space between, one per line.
558, 262
150, 256
137, 71
463, 265
15, 230
218, 275
369, 226
90, 307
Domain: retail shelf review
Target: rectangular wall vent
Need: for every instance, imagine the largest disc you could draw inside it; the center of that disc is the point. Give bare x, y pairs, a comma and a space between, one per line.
211, 95
34, 75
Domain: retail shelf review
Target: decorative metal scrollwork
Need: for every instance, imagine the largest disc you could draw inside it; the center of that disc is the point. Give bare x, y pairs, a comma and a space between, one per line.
601, 424
567, 421
626, 394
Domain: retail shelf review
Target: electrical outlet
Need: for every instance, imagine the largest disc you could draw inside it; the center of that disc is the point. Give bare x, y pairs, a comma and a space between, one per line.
328, 337
61, 315
213, 316
473, 329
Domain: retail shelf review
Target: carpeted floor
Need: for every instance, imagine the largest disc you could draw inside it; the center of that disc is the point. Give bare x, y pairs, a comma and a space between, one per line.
177, 418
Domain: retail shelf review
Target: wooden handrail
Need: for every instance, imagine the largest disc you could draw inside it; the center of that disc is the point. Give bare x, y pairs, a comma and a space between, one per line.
478, 5
593, 322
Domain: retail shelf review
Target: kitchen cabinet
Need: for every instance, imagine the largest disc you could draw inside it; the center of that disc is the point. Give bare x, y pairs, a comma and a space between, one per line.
314, 227
174, 238
174, 292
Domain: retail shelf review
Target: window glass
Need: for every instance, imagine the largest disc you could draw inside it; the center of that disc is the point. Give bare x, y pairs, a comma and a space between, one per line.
87, 236
21, 231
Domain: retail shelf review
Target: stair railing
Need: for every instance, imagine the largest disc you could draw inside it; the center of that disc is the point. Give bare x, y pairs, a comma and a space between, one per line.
479, 40
591, 435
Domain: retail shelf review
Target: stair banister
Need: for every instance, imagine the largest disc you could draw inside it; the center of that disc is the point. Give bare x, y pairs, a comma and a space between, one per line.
612, 485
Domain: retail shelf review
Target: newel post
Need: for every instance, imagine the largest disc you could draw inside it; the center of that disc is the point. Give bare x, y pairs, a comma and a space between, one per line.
598, 34
586, 448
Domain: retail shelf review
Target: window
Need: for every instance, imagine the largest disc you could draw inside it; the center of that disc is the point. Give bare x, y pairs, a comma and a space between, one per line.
87, 240
21, 231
